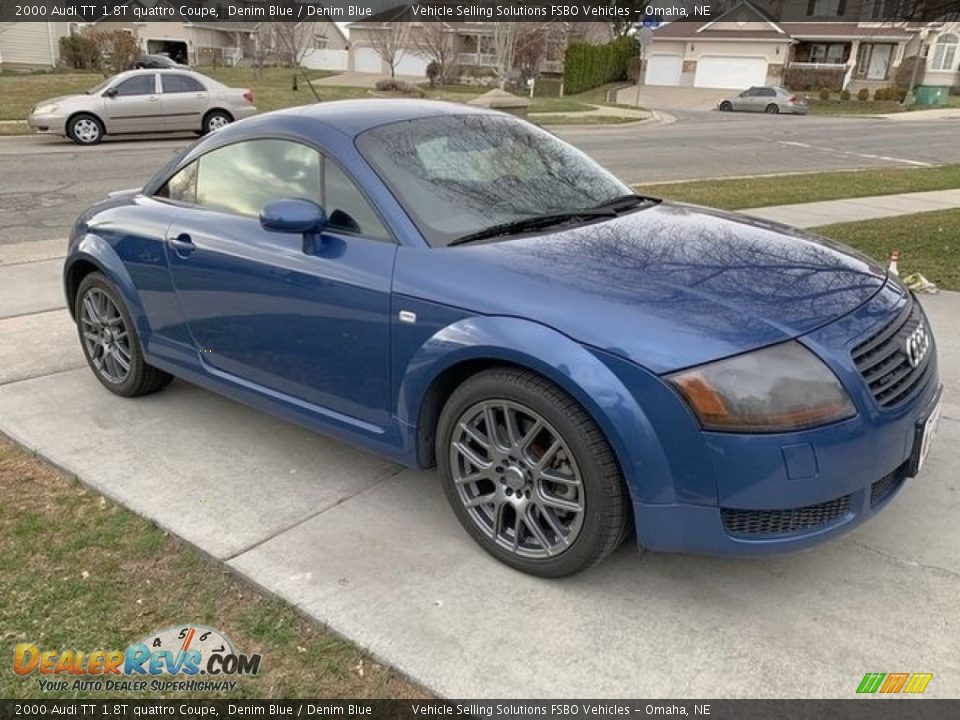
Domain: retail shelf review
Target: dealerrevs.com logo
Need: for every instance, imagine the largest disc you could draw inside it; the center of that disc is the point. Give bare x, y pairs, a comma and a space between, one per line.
894, 683
187, 658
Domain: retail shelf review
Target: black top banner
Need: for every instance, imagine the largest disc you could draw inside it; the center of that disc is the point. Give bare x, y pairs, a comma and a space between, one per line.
866, 709
650, 12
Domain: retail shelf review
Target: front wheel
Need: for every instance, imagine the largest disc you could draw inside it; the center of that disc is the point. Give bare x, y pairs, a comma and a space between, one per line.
110, 342
726, 106
530, 475
85, 129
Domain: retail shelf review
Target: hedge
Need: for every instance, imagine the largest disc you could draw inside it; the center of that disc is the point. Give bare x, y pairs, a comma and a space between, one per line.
588, 66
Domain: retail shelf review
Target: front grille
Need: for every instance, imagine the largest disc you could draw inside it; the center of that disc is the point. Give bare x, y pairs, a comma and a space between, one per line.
883, 363
780, 522
885, 487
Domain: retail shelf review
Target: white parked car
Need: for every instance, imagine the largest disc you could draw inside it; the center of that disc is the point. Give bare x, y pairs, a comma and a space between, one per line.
143, 101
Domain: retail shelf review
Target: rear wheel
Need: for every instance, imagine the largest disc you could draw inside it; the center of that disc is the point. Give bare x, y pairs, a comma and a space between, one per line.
110, 342
726, 106
216, 119
772, 109
85, 129
529, 474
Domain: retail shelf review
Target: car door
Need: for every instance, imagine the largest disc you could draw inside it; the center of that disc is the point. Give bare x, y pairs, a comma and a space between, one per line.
309, 323
183, 100
742, 101
765, 97
133, 105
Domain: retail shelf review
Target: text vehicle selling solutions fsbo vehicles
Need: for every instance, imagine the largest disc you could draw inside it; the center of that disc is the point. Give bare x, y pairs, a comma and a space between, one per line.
452, 286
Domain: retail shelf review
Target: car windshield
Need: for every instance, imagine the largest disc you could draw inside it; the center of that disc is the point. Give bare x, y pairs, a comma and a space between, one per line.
97, 88
459, 175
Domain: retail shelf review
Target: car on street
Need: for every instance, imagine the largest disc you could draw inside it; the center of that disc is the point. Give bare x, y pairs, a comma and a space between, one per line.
770, 100
451, 286
143, 101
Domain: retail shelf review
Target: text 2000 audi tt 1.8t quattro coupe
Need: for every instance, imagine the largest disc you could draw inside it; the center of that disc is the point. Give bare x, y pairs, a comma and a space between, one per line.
452, 286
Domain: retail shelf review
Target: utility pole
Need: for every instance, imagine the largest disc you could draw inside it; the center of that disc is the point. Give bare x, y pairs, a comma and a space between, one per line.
644, 36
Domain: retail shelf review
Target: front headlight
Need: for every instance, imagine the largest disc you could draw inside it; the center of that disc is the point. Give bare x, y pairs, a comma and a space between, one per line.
45, 109
780, 388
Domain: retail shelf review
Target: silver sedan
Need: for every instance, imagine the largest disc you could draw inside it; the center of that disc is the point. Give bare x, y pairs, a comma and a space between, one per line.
771, 100
143, 101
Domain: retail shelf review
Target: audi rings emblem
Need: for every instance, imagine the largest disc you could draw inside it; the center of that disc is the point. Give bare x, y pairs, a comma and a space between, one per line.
917, 345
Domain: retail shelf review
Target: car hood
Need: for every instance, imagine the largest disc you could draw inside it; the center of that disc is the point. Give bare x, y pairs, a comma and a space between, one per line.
667, 287
63, 99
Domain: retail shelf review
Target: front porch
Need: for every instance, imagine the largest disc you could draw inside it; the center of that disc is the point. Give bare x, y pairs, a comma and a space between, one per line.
843, 65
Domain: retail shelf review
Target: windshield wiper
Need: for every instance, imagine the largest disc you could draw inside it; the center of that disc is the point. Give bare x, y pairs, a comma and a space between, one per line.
626, 202
532, 223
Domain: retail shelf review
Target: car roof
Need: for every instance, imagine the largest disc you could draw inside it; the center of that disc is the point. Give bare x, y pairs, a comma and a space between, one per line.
357, 116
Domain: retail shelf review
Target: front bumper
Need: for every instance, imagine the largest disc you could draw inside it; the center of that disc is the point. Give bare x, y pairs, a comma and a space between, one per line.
787, 491
51, 124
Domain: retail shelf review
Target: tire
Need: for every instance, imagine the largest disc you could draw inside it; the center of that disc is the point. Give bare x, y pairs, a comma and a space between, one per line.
85, 129
772, 109
214, 120
726, 106
545, 541
139, 378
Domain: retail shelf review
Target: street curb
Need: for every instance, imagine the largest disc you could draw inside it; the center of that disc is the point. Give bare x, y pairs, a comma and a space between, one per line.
656, 118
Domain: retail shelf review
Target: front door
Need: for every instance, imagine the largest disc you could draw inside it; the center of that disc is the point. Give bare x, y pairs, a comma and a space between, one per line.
133, 105
310, 323
184, 101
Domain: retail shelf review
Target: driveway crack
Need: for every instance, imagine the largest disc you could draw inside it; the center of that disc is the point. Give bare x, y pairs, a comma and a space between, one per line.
327, 508
908, 563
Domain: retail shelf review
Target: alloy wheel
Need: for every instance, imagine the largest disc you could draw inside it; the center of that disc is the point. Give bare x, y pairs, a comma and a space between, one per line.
105, 336
517, 479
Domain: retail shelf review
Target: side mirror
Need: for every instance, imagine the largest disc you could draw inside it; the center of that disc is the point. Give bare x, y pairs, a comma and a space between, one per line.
294, 216
112, 92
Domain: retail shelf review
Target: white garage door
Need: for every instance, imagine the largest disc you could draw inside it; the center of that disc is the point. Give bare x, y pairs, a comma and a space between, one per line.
735, 73
367, 60
411, 64
664, 70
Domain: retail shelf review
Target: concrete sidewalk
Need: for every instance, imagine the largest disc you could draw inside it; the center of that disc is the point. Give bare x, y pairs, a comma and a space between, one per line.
853, 209
373, 551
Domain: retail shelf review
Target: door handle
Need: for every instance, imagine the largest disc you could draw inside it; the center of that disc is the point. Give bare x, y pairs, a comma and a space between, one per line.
153, 98
182, 244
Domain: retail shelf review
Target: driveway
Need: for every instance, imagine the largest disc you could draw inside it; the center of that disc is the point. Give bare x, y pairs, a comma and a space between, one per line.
372, 550
654, 97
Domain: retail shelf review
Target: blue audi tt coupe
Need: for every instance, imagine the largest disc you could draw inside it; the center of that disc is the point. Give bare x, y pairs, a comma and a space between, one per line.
454, 287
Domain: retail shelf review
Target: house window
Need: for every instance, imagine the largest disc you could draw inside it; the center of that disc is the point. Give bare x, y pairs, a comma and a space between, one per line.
320, 42
945, 53
834, 53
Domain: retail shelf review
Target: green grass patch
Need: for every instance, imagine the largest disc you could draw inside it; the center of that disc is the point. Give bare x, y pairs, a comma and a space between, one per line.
80, 572
736, 194
557, 105
835, 106
582, 119
22, 92
929, 243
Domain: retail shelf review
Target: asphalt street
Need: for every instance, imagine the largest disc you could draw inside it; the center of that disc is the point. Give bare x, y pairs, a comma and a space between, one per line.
45, 182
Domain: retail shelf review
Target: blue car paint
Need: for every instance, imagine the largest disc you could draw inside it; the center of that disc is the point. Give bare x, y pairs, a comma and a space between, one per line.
601, 310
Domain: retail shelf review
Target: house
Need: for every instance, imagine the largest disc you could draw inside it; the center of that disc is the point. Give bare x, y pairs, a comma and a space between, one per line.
471, 45
842, 44
330, 49
31, 45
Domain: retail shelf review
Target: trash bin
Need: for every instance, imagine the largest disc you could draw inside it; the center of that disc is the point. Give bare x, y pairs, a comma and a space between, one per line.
931, 96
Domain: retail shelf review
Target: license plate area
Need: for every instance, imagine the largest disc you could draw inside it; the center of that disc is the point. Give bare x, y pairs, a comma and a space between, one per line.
925, 433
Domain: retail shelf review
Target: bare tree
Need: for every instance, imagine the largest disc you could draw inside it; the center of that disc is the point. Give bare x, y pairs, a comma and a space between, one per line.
293, 41
432, 42
389, 41
518, 41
